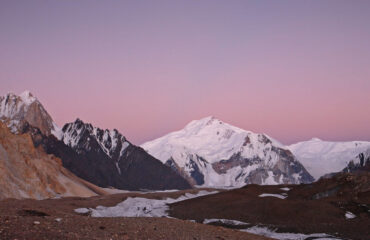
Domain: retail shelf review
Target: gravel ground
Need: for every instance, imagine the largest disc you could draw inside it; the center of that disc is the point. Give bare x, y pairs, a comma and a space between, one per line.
56, 219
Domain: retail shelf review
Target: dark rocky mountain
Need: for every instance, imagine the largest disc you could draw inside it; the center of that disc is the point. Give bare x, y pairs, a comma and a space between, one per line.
107, 159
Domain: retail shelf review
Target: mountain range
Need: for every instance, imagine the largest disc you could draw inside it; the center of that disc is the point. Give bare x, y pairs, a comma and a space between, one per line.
101, 157
206, 152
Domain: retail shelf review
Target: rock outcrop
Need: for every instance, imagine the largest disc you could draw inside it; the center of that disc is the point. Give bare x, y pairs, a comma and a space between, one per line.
15, 111
28, 172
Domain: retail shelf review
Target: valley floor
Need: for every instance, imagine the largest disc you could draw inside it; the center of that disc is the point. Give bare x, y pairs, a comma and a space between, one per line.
56, 219
336, 208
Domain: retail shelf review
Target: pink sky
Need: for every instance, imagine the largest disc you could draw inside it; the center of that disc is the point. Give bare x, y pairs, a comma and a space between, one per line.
294, 70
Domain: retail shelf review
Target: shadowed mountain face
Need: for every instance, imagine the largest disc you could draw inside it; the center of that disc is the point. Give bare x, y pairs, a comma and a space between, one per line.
108, 160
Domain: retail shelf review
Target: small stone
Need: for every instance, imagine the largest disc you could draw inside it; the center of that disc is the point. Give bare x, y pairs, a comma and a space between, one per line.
36, 222
58, 219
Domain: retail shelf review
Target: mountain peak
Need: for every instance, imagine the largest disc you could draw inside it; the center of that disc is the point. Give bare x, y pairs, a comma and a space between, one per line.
27, 97
17, 109
206, 149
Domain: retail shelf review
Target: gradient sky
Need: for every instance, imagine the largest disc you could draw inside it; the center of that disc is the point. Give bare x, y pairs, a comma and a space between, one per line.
291, 69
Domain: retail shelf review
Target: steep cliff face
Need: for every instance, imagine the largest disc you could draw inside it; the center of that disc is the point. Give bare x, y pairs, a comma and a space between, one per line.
28, 172
216, 154
15, 111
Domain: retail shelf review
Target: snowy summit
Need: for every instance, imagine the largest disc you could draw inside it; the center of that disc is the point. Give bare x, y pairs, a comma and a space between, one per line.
210, 152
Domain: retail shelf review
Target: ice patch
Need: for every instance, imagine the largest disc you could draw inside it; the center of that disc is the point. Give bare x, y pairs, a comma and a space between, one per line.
272, 195
225, 221
285, 189
82, 210
264, 231
140, 207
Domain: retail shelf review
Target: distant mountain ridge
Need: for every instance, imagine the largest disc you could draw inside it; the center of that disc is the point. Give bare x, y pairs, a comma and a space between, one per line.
207, 152
322, 157
210, 152
106, 158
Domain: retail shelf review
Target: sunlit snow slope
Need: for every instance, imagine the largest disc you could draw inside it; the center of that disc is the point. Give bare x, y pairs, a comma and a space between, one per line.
210, 152
322, 157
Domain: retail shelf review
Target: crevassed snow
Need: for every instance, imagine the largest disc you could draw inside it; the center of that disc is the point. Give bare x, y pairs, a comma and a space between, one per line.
272, 195
349, 215
322, 157
140, 207
264, 231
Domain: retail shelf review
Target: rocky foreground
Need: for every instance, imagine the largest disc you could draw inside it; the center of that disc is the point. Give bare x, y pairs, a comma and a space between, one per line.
56, 219
339, 207
335, 208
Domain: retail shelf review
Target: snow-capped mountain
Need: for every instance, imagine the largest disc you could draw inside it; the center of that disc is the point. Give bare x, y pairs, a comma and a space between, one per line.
323, 157
212, 153
16, 110
107, 159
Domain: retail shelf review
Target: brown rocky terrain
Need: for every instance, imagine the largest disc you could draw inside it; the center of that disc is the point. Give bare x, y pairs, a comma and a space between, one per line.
313, 208
56, 219
28, 172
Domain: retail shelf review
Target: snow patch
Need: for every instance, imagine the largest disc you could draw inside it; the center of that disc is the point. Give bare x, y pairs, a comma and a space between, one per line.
349, 215
225, 221
272, 195
264, 231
